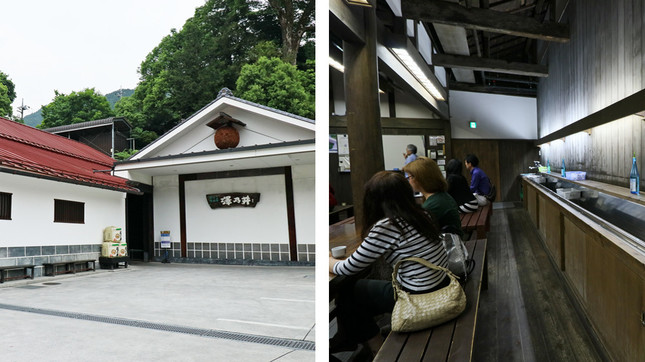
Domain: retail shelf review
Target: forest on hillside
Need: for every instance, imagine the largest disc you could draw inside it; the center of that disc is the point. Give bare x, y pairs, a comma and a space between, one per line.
263, 50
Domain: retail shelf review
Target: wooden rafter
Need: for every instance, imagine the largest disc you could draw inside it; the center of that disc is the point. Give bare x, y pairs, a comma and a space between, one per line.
482, 19
490, 65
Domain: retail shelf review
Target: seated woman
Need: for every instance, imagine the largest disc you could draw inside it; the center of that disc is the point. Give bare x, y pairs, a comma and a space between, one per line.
458, 187
395, 228
479, 181
425, 177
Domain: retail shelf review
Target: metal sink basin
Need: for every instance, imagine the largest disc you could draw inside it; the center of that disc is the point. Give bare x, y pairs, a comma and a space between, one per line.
621, 216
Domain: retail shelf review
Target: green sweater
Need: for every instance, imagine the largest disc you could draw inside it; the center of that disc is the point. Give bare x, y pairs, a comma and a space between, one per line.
444, 208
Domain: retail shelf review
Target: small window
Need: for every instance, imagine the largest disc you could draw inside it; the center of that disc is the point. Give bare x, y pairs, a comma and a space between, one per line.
69, 211
5, 206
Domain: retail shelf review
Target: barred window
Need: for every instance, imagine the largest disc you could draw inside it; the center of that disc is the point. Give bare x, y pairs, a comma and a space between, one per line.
5, 206
69, 211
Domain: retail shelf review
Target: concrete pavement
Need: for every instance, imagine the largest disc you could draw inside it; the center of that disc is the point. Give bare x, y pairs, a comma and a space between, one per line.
162, 312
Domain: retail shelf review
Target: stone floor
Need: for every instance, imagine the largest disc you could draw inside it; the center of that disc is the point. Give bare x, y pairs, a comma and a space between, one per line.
162, 312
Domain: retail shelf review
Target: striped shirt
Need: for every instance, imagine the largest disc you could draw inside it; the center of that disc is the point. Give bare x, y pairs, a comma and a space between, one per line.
385, 239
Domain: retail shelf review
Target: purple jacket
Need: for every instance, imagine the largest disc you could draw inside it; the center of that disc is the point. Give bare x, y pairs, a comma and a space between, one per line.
479, 182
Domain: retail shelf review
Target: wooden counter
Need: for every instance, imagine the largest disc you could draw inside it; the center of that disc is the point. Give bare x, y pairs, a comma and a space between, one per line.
604, 272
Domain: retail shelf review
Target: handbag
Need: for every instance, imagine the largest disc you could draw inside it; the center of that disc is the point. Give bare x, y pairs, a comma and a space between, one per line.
458, 261
413, 312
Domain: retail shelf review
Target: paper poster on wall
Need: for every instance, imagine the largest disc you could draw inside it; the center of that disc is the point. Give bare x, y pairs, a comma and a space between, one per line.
343, 163
343, 153
432, 140
440, 152
432, 154
441, 161
441, 139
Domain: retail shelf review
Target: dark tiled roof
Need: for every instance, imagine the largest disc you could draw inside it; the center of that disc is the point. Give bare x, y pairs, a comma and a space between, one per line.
89, 124
33, 152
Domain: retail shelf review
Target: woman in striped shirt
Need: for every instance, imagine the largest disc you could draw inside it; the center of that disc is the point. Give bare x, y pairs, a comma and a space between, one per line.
395, 228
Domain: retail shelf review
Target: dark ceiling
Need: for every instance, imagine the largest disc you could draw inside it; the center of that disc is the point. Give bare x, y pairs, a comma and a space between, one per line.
505, 40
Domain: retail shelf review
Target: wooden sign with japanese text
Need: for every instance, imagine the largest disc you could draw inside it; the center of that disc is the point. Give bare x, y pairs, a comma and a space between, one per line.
244, 199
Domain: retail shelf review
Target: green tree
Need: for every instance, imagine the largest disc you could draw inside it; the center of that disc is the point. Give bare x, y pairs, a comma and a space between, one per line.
278, 84
7, 95
296, 19
86, 105
130, 109
190, 66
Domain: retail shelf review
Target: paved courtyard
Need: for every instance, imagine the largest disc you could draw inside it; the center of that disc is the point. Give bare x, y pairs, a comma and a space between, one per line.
162, 312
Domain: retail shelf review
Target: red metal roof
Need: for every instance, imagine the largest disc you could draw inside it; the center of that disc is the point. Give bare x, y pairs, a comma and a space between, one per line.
33, 152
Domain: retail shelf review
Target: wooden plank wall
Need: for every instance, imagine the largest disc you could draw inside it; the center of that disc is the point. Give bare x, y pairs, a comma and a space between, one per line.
502, 160
602, 64
607, 280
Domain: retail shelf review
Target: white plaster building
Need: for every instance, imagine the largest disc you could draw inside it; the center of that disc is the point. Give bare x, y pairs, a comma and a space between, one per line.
274, 157
56, 197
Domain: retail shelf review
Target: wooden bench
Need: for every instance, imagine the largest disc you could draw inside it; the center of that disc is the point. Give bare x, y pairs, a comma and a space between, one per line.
478, 221
70, 267
4, 272
451, 341
110, 263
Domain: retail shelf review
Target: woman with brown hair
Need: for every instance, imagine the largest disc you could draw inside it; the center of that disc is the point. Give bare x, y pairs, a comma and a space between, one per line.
425, 177
395, 228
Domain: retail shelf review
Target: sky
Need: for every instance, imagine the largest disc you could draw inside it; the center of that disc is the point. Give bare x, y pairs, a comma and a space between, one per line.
70, 45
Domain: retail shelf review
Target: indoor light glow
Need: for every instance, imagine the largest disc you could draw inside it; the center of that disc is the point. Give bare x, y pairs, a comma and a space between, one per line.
336, 65
359, 2
416, 71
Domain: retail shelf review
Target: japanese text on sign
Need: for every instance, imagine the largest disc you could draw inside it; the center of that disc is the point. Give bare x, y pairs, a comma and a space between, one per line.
244, 199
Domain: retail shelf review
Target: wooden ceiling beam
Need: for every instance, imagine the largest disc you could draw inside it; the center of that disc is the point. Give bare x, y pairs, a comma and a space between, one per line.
477, 88
490, 65
444, 12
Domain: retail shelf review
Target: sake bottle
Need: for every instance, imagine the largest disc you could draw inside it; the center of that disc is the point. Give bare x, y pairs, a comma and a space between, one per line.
564, 173
634, 179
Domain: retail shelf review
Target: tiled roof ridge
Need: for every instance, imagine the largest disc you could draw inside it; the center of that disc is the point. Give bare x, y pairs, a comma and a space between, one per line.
49, 171
53, 149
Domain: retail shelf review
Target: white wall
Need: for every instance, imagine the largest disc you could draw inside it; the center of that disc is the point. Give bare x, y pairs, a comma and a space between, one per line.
406, 106
259, 130
166, 206
32, 215
266, 223
497, 116
394, 146
304, 184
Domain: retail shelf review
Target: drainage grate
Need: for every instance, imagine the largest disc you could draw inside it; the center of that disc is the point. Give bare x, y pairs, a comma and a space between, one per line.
242, 337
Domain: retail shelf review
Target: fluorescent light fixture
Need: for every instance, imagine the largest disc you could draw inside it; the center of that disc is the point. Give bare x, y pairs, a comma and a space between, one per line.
336, 65
409, 62
359, 2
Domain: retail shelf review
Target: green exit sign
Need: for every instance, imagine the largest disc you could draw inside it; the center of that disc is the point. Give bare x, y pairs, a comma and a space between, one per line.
473, 124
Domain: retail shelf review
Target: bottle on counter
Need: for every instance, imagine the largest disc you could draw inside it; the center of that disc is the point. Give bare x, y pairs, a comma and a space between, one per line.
634, 178
548, 166
564, 172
